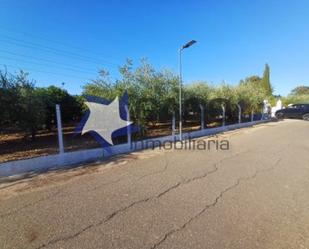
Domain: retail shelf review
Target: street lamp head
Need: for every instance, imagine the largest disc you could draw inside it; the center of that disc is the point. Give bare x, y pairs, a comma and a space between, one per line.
189, 44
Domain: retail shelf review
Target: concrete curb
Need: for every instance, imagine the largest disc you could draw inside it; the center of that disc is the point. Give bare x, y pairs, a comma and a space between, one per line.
60, 161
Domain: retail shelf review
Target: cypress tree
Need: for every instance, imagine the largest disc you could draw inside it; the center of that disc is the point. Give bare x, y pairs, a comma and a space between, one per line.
266, 80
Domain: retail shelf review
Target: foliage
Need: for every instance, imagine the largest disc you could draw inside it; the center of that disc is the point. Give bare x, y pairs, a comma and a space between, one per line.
31, 110
250, 96
300, 90
8, 100
71, 106
255, 80
25, 107
21, 105
298, 95
259, 82
296, 99
196, 94
153, 97
152, 94
266, 81
226, 92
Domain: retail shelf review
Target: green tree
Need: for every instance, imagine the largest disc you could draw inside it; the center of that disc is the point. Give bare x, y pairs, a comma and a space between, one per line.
21, 106
31, 112
250, 96
152, 94
300, 90
198, 93
255, 80
71, 107
8, 100
226, 92
102, 86
266, 81
298, 95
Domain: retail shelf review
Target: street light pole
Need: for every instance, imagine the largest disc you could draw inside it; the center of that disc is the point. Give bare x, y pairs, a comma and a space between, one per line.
180, 94
189, 44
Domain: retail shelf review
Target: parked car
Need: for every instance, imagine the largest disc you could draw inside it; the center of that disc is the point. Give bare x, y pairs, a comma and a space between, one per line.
294, 111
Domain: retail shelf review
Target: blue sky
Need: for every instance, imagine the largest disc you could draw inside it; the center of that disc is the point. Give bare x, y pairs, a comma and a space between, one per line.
67, 41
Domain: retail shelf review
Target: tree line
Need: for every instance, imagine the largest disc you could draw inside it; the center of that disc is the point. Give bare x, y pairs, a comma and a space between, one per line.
298, 95
153, 97
154, 94
28, 108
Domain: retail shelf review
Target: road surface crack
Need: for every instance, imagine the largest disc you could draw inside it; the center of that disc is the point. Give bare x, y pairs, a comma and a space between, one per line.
161, 171
115, 213
214, 203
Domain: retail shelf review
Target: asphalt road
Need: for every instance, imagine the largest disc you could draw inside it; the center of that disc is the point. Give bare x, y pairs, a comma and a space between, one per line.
254, 195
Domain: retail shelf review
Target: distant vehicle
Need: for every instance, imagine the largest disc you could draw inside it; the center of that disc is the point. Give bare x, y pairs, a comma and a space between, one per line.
294, 111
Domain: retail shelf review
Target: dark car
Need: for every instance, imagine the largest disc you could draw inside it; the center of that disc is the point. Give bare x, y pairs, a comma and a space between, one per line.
294, 111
